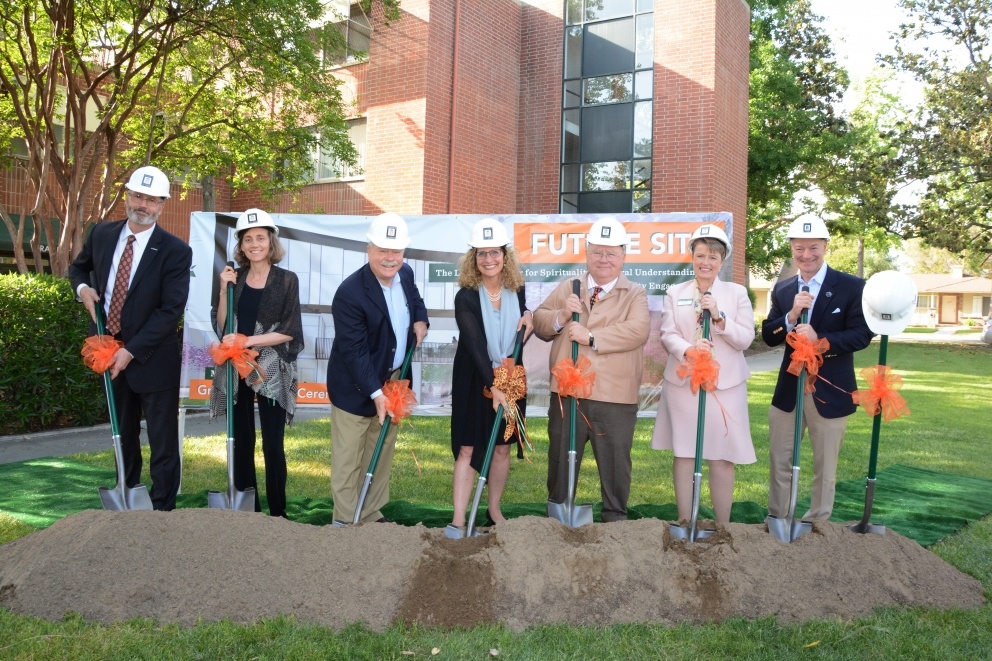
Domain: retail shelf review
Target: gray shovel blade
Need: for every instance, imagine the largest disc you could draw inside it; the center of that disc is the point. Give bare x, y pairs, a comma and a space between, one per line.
120, 498
779, 528
239, 501
799, 528
575, 516
686, 532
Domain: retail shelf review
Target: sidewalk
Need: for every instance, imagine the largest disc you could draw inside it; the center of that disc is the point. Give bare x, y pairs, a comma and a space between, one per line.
62, 442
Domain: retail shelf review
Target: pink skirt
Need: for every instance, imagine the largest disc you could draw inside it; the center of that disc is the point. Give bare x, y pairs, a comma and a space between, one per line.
727, 428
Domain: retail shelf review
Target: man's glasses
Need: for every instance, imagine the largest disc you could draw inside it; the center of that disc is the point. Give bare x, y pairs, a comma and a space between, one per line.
610, 255
141, 197
485, 254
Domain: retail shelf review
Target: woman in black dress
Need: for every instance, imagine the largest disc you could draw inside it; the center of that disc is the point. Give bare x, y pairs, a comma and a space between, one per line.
489, 309
267, 312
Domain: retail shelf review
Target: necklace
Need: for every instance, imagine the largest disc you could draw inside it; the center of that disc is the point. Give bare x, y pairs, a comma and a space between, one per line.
494, 298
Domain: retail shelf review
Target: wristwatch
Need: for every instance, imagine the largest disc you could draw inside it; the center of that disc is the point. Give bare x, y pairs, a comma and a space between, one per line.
592, 341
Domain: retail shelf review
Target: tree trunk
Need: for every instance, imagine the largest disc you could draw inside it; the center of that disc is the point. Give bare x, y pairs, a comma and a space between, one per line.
209, 193
861, 257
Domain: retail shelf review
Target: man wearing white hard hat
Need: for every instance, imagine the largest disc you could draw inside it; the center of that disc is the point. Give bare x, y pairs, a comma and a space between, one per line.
612, 330
833, 300
142, 281
378, 316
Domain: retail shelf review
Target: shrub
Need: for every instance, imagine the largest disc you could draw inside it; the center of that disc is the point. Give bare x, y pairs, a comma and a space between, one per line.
43, 382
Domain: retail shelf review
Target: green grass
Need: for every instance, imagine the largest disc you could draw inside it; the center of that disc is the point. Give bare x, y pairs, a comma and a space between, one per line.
947, 390
968, 331
919, 329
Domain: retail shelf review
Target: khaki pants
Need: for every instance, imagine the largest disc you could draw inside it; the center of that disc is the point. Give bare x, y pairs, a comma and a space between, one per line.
353, 440
826, 436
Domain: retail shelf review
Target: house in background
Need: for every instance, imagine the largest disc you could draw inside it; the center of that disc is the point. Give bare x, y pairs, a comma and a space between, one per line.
950, 298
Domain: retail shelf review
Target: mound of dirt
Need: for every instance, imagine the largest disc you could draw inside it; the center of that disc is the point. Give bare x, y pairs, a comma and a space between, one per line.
201, 564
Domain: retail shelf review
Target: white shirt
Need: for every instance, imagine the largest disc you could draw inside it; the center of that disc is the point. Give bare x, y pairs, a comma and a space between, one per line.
814, 285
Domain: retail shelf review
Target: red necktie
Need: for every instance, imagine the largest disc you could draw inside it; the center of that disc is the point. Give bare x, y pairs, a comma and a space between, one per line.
120, 288
595, 296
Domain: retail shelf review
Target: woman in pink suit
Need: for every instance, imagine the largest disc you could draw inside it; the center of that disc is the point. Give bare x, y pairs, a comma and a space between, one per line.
727, 430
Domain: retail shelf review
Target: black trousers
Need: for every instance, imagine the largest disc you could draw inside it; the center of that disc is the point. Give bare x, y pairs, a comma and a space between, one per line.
161, 412
272, 419
609, 428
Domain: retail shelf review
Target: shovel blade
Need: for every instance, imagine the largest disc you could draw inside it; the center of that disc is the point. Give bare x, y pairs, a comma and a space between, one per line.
799, 528
685, 532
575, 516
121, 499
779, 528
218, 500
870, 528
239, 501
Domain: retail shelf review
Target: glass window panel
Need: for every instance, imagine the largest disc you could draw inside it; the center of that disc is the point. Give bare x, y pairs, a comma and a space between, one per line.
645, 42
645, 5
573, 52
570, 179
570, 203
642, 173
570, 137
608, 48
644, 85
612, 202
573, 12
608, 89
614, 175
642, 201
597, 10
572, 94
607, 133
642, 129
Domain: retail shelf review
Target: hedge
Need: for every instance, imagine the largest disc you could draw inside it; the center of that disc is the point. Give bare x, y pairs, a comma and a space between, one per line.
43, 382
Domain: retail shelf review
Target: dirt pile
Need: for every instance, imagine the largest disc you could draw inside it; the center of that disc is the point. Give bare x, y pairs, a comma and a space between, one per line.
196, 564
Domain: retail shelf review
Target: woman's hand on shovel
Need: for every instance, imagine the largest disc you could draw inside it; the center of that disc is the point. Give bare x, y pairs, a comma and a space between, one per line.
499, 399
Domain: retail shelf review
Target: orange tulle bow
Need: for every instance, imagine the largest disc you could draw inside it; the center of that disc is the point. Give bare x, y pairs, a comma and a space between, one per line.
574, 380
701, 368
806, 355
400, 400
98, 352
512, 380
882, 395
240, 356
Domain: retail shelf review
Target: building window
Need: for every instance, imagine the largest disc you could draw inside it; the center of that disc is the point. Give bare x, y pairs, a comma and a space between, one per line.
607, 106
349, 43
327, 167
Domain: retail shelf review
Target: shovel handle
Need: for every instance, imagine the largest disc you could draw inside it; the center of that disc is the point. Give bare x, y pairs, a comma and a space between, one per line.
231, 385
800, 392
101, 329
701, 412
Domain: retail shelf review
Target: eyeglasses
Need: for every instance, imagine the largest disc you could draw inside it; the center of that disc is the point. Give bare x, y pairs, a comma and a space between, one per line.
485, 254
610, 255
141, 197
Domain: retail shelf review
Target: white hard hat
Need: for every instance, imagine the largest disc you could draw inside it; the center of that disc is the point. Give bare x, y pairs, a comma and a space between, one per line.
488, 233
888, 302
253, 218
710, 232
808, 226
150, 181
607, 232
389, 232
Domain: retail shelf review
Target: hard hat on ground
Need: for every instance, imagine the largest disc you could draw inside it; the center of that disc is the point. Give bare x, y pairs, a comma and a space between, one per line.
710, 232
150, 181
607, 232
389, 232
253, 218
488, 233
808, 226
888, 302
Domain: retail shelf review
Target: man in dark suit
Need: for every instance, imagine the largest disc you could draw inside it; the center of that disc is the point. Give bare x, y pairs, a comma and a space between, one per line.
834, 302
142, 281
378, 315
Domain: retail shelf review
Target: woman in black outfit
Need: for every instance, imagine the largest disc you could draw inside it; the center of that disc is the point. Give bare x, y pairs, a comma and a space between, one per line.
267, 312
489, 309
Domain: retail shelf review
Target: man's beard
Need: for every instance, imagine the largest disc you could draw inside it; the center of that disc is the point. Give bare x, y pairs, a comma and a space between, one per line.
138, 219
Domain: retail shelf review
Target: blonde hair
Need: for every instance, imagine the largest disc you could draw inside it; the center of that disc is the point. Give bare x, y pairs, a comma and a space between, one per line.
470, 277
276, 251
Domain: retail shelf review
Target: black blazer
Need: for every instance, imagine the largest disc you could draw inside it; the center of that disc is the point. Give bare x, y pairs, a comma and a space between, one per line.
154, 305
836, 316
364, 343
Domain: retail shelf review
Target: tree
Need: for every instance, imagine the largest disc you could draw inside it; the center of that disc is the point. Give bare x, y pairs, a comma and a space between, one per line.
795, 83
845, 253
947, 45
200, 88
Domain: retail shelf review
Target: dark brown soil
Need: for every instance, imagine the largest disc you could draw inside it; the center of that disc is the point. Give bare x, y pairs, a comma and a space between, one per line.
201, 564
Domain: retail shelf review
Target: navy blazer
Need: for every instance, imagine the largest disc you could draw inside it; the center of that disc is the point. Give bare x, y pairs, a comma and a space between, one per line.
836, 316
154, 305
364, 343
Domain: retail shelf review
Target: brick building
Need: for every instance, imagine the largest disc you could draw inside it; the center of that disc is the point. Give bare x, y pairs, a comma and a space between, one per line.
543, 106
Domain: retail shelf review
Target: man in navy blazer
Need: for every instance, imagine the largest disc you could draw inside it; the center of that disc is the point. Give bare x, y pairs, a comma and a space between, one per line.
378, 316
145, 371
834, 302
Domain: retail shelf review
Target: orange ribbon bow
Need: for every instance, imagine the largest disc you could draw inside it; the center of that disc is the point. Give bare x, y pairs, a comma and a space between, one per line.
882, 395
573, 380
98, 352
702, 370
512, 380
240, 356
806, 355
400, 400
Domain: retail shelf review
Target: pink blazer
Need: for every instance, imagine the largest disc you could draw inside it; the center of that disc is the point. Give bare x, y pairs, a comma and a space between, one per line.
678, 328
